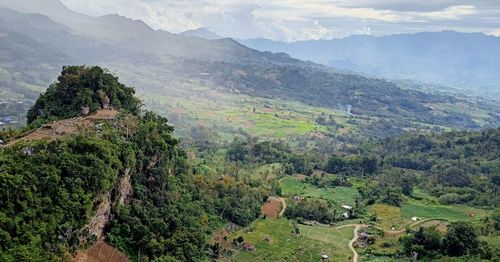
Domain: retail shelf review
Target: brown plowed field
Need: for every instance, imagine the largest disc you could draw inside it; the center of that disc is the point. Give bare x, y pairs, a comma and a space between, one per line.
100, 252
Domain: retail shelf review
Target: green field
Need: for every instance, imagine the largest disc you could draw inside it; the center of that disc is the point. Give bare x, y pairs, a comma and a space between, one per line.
413, 208
194, 104
287, 246
400, 217
341, 195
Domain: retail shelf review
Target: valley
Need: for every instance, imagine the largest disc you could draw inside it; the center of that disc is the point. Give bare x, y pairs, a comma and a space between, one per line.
123, 142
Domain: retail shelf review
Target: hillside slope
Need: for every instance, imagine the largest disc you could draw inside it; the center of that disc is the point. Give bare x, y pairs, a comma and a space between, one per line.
446, 58
110, 173
160, 63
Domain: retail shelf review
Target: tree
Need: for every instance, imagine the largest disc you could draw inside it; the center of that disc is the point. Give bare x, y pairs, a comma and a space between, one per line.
83, 87
215, 251
461, 239
369, 165
421, 242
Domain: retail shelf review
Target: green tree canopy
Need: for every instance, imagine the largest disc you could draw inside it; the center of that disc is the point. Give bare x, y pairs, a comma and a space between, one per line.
80, 87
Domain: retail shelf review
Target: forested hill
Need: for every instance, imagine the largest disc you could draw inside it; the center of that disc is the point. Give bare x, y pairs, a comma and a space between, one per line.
111, 172
159, 62
456, 167
447, 58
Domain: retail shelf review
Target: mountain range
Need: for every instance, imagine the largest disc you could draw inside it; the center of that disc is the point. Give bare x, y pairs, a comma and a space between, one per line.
37, 39
466, 61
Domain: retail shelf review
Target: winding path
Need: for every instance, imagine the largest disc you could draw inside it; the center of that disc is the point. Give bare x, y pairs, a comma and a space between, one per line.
357, 227
283, 206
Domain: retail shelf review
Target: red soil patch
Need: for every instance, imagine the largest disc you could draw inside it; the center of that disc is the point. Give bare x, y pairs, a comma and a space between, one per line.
272, 208
101, 252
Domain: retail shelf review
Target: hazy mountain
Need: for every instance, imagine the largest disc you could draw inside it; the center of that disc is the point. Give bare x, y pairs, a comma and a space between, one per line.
54, 9
468, 61
202, 33
157, 61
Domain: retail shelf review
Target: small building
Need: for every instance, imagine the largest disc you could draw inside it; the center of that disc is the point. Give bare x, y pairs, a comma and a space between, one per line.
1, 142
347, 207
2, 123
414, 218
324, 257
346, 215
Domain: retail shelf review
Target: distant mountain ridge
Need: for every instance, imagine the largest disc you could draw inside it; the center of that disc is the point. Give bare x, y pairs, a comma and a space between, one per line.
468, 61
201, 32
157, 61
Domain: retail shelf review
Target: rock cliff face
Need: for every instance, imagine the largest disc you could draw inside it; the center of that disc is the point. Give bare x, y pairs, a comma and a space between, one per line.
125, 189
102, 212
101, 251
101, 217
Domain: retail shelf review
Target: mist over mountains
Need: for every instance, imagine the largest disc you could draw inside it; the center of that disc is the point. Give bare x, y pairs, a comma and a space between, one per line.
467, 61
38, 40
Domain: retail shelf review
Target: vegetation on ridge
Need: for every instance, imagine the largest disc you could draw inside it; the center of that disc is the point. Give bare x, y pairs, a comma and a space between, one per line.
81, 88
50, 188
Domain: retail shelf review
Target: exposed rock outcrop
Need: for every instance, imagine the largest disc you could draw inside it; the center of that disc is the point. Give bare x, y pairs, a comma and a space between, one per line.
101, 217
125, 189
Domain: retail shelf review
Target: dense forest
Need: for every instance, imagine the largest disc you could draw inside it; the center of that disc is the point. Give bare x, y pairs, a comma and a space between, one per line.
50, 188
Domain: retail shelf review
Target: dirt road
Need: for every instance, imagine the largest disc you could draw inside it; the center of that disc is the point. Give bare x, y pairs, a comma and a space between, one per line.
357, 227
283, 206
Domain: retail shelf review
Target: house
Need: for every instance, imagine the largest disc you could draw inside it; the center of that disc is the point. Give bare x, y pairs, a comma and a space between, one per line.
1, 142
414, 218
347, 207
346, 215
324, 257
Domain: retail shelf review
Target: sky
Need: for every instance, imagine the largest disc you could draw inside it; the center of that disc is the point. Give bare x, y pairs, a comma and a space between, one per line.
294, 20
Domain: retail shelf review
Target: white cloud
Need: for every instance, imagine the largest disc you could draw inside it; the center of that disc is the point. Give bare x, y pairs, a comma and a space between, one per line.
495, 32
300, 19
452, 12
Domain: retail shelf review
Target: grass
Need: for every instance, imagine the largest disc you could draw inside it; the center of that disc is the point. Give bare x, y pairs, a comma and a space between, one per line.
338, 238
450, 212
341, 195
400, 217
390, 216
477, 115
266, 118
287, 246
268, 171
